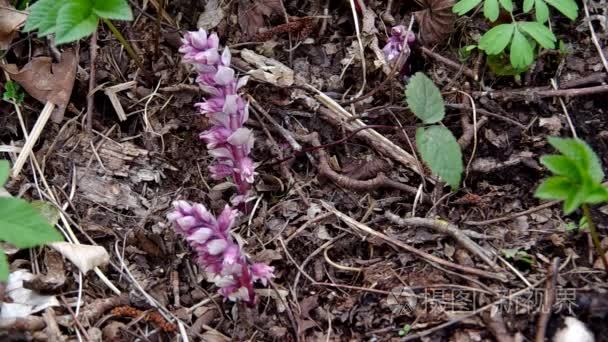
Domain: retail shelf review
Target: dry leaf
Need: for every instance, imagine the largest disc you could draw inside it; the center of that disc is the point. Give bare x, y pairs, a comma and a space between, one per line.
252, 13
211, 16
85, 257
436, 20
47, 81
268, 69
10, 20
24, 301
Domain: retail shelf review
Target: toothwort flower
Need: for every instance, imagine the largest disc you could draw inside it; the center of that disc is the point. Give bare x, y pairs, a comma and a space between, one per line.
399, 41
222, 260
228, 141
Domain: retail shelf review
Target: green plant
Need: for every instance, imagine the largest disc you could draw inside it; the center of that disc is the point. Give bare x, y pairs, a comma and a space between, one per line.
21, 224
577, 181
521, 37
436, 144
517, 255
71, 20
13, 92
405, 330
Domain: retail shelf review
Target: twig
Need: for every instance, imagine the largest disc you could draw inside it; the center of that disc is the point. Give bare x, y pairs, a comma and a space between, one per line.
549, 298
594, 37
32, 138
425, 256
565, 109
450, 63
487, 113
285, 133
512, 216
446, 228
595, 236
380, 181
92, 82
532, 94
595, 78
361, 48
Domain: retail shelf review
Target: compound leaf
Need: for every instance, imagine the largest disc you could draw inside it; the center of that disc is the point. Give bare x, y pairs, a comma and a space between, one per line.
43, 16
441, 152
522, 53
424, 99
540, 33
562, 166
75, 20
542, 11
496, 40
491, 9
113, 9
507, 4
528, 4
556, 187
463, 6
569, 8
581, 153
22, 226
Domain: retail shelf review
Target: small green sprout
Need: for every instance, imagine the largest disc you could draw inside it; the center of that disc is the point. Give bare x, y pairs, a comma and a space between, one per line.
13, 93
405, 330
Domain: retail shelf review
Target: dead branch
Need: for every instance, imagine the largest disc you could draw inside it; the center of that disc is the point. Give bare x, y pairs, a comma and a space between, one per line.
449, 63
446, 228
549, 299
530, 95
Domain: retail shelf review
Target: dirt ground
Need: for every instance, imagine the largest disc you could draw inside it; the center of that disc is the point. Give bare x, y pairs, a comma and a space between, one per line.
350, 264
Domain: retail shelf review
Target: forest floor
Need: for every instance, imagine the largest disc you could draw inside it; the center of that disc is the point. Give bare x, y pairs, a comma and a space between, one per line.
351, 262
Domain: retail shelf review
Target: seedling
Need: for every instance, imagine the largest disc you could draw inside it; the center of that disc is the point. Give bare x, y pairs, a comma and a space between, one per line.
405, 330
577, 181
517, 255
71, 20
21, 224
436, 144
522, 37
13, 93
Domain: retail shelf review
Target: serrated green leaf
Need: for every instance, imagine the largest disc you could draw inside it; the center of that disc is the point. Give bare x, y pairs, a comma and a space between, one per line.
554, 188
424, 99
569, 8
22, 226
574, 200
4, 269
522, 52
540, 33
440, 151
562, 166
5, 169
491, 9
75, 20
43, 17
582, 154
528, 4
507, 5
463, 6
496, 40
113, 9
598, 194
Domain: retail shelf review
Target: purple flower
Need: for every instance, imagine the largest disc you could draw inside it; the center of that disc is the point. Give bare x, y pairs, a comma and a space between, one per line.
222, 260
397, 42
228, 141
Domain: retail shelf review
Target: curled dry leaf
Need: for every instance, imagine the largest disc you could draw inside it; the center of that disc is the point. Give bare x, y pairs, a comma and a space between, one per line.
251, 14
436, 20
268, 69
47, 81
10, 21
85, 257
24, 301
211, 16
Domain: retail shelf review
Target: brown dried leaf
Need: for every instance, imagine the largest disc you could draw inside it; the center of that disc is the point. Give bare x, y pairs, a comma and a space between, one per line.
10, 20
251, 14
436, 20
47, 81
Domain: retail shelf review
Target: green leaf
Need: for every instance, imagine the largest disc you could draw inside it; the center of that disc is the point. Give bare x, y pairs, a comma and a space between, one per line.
463, 6
4, 270
501, 66
47, 210
43, 16
542, 11
113, 9
75, 20
441, 152
569, 8
507, 5
424, 99
22, 226
582, 154
12, 92
574, 201
491, 9
5, 169
540, 33
528, 4
598, 194
496, 40
562, 166
554, 188
522, 53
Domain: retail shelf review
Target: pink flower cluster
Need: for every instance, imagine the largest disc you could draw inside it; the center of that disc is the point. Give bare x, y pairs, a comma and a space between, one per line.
222, 259
228, 141
397, 42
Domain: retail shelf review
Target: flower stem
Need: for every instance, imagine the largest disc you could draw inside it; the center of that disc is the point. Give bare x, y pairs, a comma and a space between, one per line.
594, 236
123, 42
